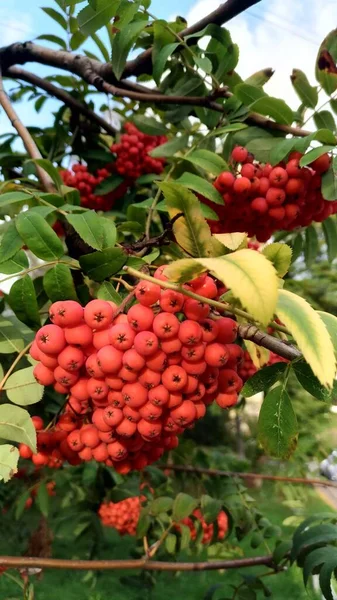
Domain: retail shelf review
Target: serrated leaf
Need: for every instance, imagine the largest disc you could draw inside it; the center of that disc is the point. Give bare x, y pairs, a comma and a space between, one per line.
310, 334
329, 182
191, 230
22, 300
324, 119
170, 148
13, 198
231, 240
11, 243
259, 356
183, 506
143, 524
39, 236
311, 247
274, 108
101, 265
160, 59
108, 185
209, 161
248, 93
281, 150
280, 255
297, 246
263, 379
330, 322
10, 338
18, 263
307, 93
89, 228
54, 39
250, 276
149, 125
58, 284
231, 128
107, 292
9, 458
309, 157
330, 234
161, 505
262, 147
309, 382
91, 20
22, 388
122, 44
201, 186
17, 426
42, 499
277, 425
58, 17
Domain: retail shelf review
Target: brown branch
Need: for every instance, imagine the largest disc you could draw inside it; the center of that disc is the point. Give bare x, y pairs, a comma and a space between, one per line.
280, 347
62, 95
27, 139
146, 565
154, 242
219, 473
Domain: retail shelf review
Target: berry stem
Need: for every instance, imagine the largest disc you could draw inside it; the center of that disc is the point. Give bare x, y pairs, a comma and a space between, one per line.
13, 365
72, 265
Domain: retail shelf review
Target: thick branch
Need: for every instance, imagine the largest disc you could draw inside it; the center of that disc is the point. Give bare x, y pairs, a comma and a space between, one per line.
62, 95
280, 347
146, 565
224, 13
219, 473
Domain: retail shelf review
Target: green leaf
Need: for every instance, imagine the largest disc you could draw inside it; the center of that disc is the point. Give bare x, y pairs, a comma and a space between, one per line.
58, 284
42, 499
280, 255
149, 125
310, 334
170, 543
281, 150
311, 247
107, 292
48, 166
17, 426
263, 379
313, 154
122, 44
330, 234
201, 186
160, 60
263, 147
39, 236
210, 508
191, 231
307, 93
101, 265
277, 425
18, 263
231, 128
13, 198
58, 17
101, 47
170, 148
329, 182
324, 119
324, 136
161, 505
108, 185
22, 387
330, 322
310, 382
89, 228
9, 458
22, 300
324, 75
248, 94
209, 161
183, 506
274, 108
10, 338
90, 20
54, 39
143, 524
297, 246
11, 243
260, 78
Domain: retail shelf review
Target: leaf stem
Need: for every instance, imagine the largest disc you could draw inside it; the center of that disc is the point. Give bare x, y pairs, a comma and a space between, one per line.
13, 365
37, 267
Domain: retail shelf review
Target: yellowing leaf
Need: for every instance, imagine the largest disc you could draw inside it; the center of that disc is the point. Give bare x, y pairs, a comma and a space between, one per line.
280, 255
330, 322
250, 276
260, 356
231, 240
9, 457
191, 230
310, 334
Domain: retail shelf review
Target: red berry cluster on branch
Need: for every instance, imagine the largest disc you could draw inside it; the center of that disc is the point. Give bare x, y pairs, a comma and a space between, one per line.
247, 368
207, 528
122, 516
135, 381
132, 151
86, 183
260, 199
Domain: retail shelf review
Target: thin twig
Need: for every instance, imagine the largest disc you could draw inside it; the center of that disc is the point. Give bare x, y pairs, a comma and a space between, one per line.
154, 242
13, 365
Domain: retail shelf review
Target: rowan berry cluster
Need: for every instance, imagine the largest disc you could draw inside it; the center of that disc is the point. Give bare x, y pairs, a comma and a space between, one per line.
122, 516
132, 151
260, 199
135, 381
207, 528
247, 368
85, 182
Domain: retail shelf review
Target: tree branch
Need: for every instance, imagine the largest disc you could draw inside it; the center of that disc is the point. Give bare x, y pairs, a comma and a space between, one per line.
62, 95
145, 565
280, 347
219, 473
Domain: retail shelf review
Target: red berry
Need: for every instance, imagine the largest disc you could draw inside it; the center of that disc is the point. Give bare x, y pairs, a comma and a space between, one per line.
239, 154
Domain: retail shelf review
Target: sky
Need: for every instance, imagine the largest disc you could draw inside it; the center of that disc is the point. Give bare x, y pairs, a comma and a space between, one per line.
281, 34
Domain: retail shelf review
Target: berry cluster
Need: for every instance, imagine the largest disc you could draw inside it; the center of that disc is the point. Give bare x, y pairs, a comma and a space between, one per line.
52, 446
86, 183
122, 516
137, 380
132, 151
247, 368
260, 199
207, 529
